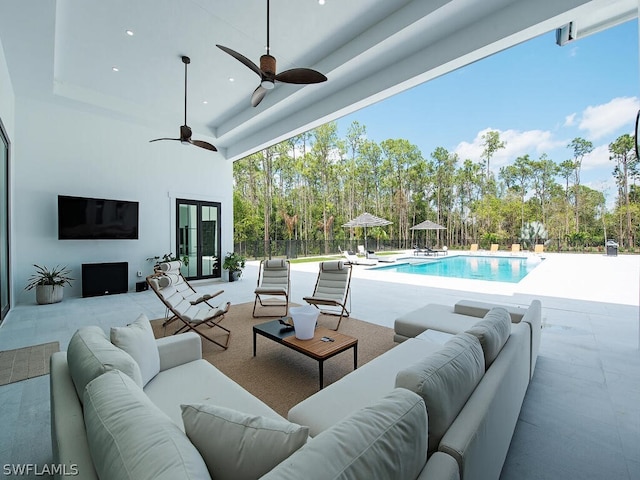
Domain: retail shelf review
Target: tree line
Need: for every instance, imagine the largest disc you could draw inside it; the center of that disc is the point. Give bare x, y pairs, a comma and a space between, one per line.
307, 187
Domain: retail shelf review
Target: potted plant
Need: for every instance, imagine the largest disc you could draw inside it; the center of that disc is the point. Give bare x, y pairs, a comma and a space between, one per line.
234, 262
49, 283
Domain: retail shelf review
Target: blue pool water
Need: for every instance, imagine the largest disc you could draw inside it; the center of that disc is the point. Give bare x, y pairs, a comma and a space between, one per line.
485, 267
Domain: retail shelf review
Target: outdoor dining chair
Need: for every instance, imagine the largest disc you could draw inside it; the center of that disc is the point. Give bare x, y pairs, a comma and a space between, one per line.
186, 305
273, 281
332, 289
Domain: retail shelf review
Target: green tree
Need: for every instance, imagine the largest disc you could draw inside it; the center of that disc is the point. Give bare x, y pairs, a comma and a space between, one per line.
518, 177
491, 144
622, 152
580, 148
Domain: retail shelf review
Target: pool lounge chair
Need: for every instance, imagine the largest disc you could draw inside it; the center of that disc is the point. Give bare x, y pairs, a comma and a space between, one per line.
473, 247
332, 289
371, 255
353, 259
436, 252
538, 249
494, 248
515, 248
273, 281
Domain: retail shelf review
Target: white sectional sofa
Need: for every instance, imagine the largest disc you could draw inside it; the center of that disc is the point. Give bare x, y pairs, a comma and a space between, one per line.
464, 315
143, 408
472, 405
131, 406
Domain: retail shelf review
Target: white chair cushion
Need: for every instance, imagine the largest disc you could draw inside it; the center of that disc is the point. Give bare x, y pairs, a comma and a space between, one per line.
90, 354
138, 341
130, 438
445, 380
239, 446
493, 332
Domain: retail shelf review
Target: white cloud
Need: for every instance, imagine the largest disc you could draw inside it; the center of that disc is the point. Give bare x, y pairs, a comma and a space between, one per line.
532, 142
605, 119
570, 120
599, 157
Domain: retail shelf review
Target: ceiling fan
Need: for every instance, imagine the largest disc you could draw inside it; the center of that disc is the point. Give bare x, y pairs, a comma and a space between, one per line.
267, 71
185, 130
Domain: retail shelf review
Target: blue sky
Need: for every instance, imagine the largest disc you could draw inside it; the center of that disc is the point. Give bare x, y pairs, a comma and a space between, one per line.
539, 96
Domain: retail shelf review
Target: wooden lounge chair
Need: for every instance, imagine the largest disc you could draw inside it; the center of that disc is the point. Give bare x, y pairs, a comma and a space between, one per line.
538, 249
473, 247
332, 289
273, 281
494, 248
515, 248
185, 304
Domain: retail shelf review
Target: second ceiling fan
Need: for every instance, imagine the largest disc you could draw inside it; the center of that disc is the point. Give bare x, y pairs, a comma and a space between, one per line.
267, 71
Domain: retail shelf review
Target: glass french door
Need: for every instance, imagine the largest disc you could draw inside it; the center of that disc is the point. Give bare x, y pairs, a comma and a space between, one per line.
198, 238
4, 224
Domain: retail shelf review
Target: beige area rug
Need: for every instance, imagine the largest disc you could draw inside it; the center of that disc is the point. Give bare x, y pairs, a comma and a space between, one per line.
27, 362
279, 376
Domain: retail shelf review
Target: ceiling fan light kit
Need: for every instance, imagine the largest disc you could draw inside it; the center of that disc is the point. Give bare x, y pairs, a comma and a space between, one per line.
267, 71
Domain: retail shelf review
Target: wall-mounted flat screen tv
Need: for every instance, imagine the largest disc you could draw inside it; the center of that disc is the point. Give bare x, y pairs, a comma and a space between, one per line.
81, 218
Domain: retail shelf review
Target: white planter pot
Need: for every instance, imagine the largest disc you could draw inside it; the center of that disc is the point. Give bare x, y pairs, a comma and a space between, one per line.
46, 294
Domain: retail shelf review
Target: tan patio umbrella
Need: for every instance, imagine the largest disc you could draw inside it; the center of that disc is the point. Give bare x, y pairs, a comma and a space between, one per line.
367, 220
428, 225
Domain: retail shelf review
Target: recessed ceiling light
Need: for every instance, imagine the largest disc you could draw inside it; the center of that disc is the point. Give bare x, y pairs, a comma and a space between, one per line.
231, 79
321, 2
129, 32
115, 69
205, 102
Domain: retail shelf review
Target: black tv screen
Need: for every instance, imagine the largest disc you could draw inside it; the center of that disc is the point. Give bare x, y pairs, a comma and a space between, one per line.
81, 218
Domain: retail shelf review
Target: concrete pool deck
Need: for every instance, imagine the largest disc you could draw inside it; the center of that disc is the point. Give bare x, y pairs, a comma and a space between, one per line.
581, 414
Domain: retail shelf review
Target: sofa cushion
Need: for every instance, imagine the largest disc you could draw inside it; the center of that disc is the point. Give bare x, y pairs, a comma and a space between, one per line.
90, 354
137, 340
236, 445
130, 438
445, 380
387, 439
493, 332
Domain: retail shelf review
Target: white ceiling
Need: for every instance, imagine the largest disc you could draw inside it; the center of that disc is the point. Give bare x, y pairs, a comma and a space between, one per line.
64, 51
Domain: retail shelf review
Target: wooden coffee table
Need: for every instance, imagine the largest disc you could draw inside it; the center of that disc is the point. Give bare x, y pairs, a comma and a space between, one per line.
314, 348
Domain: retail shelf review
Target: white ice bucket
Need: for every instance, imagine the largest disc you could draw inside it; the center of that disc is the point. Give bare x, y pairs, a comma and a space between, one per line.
304, 321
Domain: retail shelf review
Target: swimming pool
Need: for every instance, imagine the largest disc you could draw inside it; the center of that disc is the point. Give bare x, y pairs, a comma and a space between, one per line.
486, 267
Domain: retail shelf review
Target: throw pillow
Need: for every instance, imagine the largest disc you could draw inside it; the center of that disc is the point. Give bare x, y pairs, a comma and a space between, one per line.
387, 439
445, 380
138, 341
493, 332
90, 354
237, 445
130, 438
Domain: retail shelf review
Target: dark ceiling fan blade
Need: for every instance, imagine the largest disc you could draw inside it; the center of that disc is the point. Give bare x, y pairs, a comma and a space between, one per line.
205, 145
258, 95
158, 139
301, 76
185, 130
242, 59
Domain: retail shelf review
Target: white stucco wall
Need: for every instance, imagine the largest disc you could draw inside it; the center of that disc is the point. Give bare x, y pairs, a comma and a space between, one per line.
60, 150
